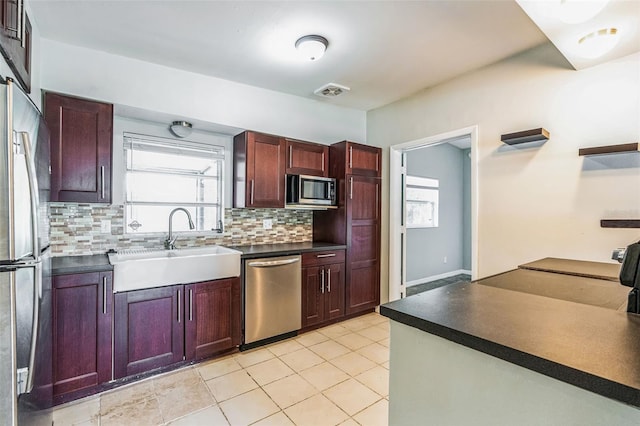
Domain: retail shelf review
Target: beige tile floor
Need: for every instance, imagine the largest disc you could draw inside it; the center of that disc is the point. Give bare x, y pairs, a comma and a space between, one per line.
337, 375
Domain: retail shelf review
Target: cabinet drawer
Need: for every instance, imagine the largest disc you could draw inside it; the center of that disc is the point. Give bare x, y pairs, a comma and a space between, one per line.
322, 257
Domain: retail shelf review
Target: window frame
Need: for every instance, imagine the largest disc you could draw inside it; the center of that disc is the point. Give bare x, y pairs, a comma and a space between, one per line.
216, 152
432, 184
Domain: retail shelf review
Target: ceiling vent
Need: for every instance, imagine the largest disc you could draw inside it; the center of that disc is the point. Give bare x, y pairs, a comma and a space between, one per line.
331, 90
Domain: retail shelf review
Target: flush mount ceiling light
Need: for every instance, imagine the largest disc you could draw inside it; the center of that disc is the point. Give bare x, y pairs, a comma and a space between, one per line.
597, 43
181, 129
312, 47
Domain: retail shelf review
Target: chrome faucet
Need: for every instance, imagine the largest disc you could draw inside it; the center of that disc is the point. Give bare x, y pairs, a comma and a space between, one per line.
169, 243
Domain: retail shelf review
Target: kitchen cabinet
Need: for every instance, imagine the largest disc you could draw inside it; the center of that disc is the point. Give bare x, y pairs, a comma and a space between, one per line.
161, 326
81, 145
259, 162
16, 40
307, 158
350, 158
356, 222
213, 317
82, 315
323, 287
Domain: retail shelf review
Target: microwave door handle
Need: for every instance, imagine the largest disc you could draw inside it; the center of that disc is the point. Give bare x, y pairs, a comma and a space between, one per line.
33, 190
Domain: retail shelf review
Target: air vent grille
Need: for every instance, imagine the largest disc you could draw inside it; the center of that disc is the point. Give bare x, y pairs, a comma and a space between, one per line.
331, 90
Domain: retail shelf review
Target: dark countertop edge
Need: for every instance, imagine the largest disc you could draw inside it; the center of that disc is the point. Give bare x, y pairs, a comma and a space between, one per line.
65, 265
579, 378
286, 249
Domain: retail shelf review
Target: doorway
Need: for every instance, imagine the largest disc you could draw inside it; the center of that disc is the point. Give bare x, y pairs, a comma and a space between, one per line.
433, 234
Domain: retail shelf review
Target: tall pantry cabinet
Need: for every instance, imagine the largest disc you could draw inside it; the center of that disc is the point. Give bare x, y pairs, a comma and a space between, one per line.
356, 222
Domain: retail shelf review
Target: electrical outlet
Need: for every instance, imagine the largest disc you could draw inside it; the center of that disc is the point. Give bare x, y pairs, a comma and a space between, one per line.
105, 226
267, 224
444, 260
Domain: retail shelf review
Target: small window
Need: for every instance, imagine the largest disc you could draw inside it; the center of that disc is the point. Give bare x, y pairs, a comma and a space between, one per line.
162, 174
421, 201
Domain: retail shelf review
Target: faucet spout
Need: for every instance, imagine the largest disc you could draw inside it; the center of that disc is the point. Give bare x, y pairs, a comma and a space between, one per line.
169, 242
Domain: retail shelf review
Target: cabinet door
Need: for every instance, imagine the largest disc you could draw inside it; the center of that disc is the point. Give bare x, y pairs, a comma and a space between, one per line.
312, 296
363, 160
81, 139
212, 317
14, 25
306, 158
149, 329
259, 167
82, 313
334, 296
363, 239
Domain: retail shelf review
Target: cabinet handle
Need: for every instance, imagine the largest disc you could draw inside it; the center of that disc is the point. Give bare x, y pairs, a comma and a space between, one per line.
190, 304
290, 156
104, 295
179, 297
351, 188
323, 161
329, 280
326, 255
252, 187
102, 182
350, 157
322, 280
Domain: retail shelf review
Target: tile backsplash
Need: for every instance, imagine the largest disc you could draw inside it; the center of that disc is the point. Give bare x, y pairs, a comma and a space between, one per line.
76, 229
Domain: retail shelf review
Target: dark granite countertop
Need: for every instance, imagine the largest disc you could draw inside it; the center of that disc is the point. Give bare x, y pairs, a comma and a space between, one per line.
79, 264
580, 268
592, 347
249, 252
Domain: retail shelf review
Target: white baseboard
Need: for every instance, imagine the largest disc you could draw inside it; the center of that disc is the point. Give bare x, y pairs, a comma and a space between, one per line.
437, 277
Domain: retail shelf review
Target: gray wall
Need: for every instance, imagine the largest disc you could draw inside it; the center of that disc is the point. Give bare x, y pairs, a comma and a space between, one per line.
427, 247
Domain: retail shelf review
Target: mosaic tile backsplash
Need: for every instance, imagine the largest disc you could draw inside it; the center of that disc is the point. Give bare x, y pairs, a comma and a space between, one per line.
75, 229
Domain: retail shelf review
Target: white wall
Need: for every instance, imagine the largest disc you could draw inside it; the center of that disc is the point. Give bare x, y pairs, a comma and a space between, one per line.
151, 87
541, 201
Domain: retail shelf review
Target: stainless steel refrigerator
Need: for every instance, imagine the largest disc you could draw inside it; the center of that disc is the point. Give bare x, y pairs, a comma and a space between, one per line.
25, 284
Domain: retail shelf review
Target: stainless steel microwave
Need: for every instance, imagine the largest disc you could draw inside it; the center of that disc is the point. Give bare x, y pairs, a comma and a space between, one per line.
304, 191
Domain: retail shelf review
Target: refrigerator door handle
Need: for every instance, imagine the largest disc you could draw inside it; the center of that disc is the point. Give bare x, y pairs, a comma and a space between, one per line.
33, 189
34, 327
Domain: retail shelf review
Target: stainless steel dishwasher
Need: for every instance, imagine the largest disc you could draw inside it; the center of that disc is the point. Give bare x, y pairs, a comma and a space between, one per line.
273, 297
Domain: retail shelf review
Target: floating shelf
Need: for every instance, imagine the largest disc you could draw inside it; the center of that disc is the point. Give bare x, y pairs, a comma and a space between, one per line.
620, 223
525, 136
610, 149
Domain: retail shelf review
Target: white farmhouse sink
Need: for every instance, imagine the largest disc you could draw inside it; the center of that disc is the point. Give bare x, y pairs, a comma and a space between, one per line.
140, 269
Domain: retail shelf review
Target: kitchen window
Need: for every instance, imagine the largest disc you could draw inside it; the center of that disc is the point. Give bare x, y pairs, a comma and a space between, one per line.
162, 174
421, 202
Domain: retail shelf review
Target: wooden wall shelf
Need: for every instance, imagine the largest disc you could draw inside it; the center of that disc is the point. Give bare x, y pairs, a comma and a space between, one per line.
525, 136
620, 223
610, 149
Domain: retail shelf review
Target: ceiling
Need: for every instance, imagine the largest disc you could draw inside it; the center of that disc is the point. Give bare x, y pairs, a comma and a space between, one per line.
382, 50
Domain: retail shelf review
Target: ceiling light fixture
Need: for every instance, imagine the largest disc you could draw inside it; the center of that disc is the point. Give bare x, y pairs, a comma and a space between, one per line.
597, 43
181, 129
312, 47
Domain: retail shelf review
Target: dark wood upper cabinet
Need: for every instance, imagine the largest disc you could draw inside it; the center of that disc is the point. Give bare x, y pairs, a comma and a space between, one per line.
213, 317
16, 40
82, 315
81, 146
259, 170
350, 158
307, 158
149, 329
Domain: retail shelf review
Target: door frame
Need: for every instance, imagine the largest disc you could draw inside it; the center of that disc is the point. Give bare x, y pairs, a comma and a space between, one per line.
397, 231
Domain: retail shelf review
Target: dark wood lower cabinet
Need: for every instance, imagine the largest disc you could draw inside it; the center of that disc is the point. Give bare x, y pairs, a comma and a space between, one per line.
82, 314
323, 288
149, 329
162, 326
213, 317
